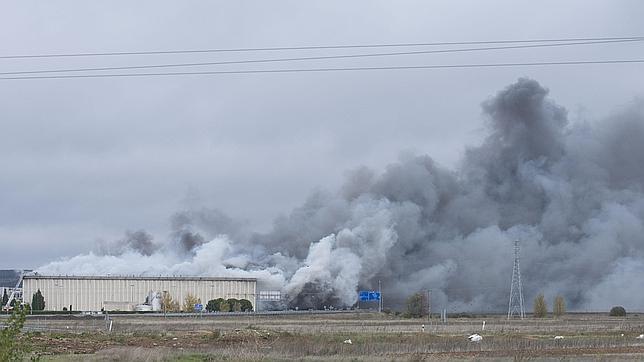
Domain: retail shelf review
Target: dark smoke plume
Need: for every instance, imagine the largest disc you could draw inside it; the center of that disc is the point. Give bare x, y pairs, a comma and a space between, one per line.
138, 241
572, 193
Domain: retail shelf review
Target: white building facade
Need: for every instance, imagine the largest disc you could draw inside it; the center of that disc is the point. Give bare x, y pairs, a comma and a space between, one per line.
124, 293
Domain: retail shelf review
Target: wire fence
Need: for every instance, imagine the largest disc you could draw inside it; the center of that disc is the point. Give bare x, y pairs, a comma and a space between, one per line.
312, 322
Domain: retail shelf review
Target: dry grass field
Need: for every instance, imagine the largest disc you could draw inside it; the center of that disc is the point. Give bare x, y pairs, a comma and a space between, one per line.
313, 337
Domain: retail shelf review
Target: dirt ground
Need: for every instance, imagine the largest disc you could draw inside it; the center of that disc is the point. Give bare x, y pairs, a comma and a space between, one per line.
373, 337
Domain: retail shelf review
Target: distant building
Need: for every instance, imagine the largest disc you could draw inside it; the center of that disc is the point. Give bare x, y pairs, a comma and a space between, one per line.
125, 293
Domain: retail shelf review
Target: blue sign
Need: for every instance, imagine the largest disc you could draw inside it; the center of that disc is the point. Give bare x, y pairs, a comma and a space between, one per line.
364, 296
198, 307
369, 295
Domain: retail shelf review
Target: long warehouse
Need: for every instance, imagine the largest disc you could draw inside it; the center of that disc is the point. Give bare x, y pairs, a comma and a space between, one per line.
125, 293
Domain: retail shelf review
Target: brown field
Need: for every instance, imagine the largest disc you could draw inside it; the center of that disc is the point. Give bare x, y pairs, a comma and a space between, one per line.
320, 337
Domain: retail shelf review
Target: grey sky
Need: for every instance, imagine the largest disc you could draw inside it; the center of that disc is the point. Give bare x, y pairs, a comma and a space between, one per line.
90, 158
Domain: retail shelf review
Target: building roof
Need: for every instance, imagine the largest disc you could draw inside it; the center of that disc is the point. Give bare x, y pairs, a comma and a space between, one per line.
132, 277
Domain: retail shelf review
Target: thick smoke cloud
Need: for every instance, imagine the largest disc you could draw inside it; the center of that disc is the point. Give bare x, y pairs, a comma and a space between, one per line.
572, 193
138, 241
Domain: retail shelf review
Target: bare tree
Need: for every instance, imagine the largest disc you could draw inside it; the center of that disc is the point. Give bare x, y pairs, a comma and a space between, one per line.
540, 306
416, 305
559, 306
189, 303
168, 304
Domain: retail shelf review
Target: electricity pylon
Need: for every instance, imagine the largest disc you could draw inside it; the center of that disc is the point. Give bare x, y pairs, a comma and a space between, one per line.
515, 307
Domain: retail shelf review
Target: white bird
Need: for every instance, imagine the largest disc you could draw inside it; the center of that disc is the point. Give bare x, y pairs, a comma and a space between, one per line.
347, 341
641, 336
558, 337
475, 338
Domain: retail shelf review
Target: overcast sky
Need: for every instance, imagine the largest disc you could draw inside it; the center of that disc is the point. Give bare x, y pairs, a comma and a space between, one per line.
87, 159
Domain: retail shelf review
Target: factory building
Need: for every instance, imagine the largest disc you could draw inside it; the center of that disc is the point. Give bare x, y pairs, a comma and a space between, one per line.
125, 293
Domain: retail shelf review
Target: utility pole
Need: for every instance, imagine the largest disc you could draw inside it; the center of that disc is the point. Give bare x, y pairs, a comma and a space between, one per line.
429, 304
379, 299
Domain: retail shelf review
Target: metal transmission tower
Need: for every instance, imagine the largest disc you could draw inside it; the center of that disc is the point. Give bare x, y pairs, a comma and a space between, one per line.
515, 306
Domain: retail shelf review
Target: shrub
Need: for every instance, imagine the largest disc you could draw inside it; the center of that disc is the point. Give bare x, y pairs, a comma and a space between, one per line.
234, 304
11, 349
540, 306
246, 305
189, 303
617, 311
214, 305
168, 304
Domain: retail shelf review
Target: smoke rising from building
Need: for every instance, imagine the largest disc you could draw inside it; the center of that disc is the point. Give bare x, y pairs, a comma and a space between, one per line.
572, 193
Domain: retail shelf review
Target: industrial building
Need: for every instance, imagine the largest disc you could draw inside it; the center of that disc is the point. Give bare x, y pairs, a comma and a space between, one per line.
125, 293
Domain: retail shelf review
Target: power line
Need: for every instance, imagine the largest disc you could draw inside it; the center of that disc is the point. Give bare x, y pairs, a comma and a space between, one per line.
314, 47
303, 70
174, 65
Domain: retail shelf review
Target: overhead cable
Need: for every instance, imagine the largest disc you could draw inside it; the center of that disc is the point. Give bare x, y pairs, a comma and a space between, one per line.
345, 69
327, 57
313, 47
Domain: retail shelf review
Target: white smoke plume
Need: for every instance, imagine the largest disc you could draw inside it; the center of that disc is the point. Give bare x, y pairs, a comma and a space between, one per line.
572, 193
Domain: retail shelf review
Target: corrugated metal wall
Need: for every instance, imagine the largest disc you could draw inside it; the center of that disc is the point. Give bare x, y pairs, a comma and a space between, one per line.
91, 294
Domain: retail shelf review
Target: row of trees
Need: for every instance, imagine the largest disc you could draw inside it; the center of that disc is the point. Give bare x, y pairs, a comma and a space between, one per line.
540, 308
559, 308
417, 306
229, 305
168, 304
37, 301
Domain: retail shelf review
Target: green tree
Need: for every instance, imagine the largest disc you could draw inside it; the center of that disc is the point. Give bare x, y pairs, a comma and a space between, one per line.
415, 305
224, 307
5, 298
234, 304
246, 305
559, 306
214, 305
38, 301
11, 346
540, 306
618, 311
